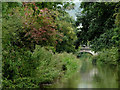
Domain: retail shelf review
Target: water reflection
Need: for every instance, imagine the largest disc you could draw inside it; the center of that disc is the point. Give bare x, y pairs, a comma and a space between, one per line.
93, 77
87, 78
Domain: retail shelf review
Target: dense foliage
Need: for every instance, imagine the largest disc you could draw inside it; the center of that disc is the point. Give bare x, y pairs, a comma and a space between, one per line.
98, 21
33, 70
107, 56
101, 27
39, 40
32, 34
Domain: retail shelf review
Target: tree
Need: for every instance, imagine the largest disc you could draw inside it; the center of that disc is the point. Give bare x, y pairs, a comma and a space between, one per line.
69, 37
40, 23
97, 19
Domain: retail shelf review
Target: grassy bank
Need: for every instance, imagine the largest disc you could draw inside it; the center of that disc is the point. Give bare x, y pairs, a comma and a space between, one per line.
23, 69
83, 58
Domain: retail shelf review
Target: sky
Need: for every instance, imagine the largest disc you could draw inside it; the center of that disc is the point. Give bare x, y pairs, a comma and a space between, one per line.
72, 12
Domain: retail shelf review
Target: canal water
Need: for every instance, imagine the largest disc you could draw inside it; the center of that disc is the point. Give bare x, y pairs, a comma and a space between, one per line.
91, 76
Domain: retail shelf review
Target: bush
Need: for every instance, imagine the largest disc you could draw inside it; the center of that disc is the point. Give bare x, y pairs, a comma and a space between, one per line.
53, 66
23, 69
108, 56
48, 67
70, 63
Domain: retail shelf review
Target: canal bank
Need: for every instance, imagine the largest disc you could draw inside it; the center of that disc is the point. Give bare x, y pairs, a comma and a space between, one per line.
92, 76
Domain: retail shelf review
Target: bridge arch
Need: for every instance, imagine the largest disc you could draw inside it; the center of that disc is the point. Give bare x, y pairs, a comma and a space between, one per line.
88, 50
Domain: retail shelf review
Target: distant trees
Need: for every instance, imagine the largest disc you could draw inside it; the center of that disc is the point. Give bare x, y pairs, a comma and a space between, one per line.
98, 23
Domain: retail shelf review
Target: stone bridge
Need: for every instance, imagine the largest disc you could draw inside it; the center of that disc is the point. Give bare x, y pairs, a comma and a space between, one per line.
88, 50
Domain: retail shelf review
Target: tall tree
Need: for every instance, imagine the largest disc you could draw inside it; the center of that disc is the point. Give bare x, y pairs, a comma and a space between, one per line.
97, 19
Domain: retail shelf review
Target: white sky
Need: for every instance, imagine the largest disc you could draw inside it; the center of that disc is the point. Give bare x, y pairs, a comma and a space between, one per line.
76, 1
72, 12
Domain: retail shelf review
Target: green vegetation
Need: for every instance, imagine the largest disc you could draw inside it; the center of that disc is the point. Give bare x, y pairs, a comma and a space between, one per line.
98, 21
40, 40
101, 28
33, 38
109, 56
32, 70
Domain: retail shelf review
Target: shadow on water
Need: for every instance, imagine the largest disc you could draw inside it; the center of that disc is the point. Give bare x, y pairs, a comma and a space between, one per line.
92, 76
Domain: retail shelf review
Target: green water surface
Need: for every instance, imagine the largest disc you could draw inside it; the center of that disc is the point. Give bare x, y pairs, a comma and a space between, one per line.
90, 76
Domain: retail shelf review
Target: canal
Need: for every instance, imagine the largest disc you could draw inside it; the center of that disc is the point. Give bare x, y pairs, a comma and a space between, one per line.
91, 76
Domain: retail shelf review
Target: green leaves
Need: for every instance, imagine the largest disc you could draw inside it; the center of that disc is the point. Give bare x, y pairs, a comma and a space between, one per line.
108, 56
26, 65
98, 21
68, 39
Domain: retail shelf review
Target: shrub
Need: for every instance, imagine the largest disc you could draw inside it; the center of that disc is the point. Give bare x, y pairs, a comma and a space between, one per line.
47, 65
52, 66
23, 69
39, 25
70, 61
108, 56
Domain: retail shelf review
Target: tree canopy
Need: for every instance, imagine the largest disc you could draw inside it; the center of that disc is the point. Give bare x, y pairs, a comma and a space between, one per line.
98, 21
